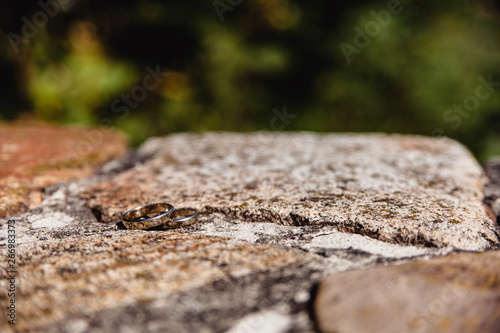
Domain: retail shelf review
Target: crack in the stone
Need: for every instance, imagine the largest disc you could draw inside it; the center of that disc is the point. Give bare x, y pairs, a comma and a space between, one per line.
97, 212
348, 225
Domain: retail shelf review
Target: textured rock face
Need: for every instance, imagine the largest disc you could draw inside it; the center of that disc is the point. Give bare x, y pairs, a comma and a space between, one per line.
81, 276
456, 293
34, 157
279, 213
400, 189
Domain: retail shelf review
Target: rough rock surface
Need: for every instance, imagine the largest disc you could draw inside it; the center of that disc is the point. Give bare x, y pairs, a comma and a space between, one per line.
90, 270
33, 157
455, 293
399, 189
280, 212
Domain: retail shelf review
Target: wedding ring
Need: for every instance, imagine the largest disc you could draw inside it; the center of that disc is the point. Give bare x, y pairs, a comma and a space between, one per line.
182, 217
140, 217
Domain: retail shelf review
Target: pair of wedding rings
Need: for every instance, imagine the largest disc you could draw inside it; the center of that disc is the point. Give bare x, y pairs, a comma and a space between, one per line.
159, 216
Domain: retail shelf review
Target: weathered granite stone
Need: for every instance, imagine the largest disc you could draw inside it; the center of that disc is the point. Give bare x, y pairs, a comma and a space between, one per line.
74, 274
35, 156
279, 214
395, 188
455, 293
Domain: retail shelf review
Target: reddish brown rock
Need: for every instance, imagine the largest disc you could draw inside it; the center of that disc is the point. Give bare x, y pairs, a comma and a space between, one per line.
455, 293
35, 156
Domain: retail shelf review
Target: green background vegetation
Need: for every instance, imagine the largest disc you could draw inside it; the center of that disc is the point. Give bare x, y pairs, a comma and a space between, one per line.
230, 74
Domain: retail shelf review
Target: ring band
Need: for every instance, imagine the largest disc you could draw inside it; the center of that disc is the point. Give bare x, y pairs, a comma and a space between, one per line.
138, 218
185, 217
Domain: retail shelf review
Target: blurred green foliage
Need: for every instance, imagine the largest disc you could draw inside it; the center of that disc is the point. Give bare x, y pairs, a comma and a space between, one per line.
405, 75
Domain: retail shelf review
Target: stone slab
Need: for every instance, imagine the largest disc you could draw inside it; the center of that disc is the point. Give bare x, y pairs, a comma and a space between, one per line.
72, 275
396, 188
455, 293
